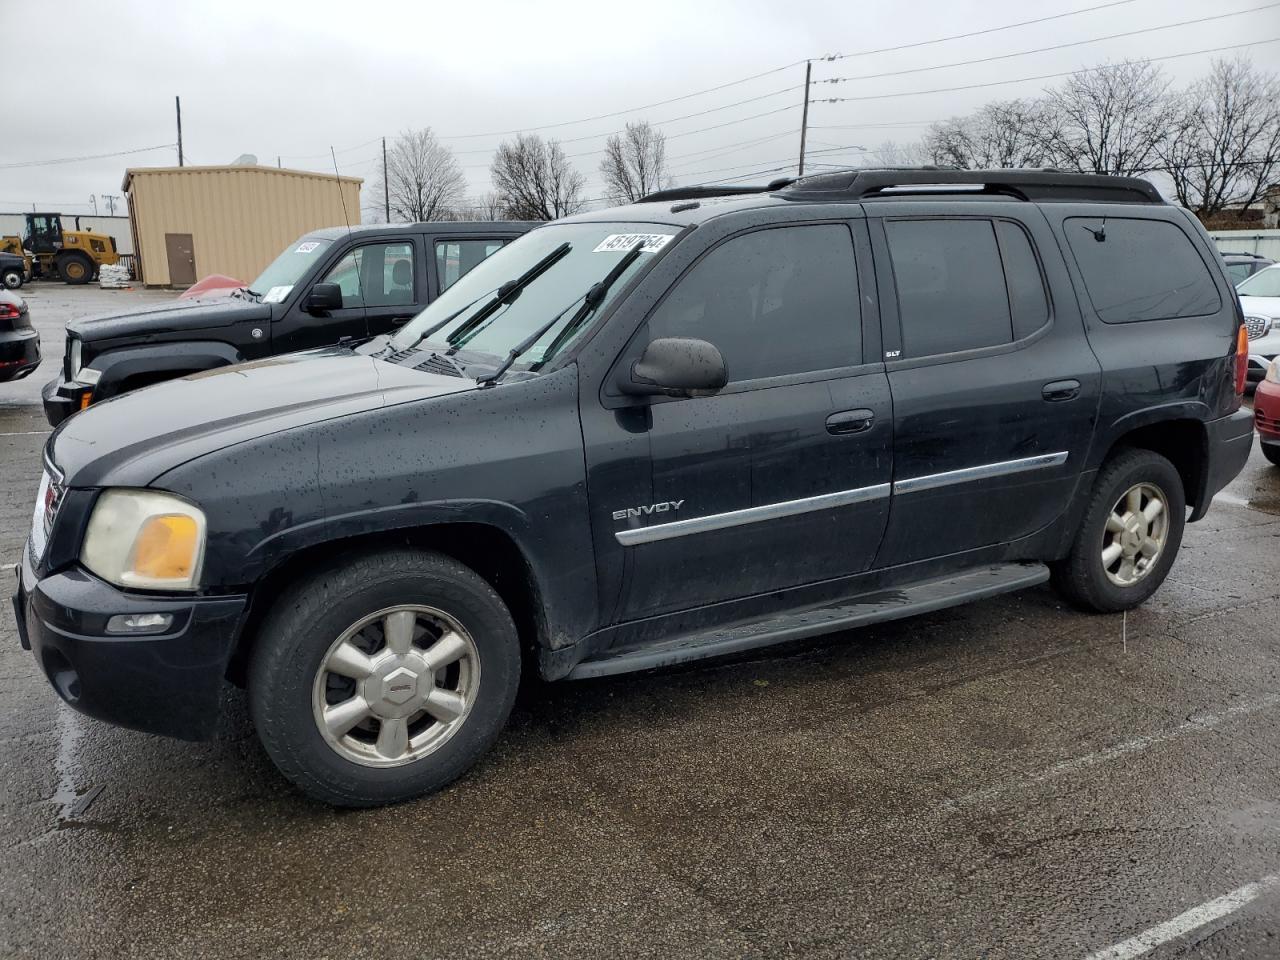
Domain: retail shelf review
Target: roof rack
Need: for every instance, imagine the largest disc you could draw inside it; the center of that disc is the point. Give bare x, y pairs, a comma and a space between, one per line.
702, 193
1044, 184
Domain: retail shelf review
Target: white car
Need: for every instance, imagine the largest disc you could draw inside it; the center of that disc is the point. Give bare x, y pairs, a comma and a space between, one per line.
1260, 298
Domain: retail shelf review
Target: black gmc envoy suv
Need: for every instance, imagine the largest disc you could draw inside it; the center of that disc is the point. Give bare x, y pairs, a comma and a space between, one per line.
703, 423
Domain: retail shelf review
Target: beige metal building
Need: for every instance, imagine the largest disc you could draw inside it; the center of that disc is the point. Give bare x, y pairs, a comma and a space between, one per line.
190, 222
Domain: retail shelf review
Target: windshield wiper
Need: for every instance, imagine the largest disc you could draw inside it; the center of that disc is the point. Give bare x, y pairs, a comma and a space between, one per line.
590, 302
504, 295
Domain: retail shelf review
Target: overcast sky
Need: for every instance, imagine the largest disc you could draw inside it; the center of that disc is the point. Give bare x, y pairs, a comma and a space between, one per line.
289, 79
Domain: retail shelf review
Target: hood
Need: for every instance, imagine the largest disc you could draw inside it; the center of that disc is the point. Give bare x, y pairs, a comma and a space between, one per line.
1261, 306
131, 439
170, 316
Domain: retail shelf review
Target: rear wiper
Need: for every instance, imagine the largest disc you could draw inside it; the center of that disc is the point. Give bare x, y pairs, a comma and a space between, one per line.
504, 295
590, 302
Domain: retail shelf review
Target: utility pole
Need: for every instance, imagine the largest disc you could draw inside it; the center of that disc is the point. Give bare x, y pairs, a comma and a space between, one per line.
94, 201
177, 102
111, 199
386, 190
279, 165
804, 115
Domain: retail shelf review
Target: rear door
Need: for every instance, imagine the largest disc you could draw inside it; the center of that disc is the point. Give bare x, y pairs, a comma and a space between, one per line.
780, 479
995, 389
454, 256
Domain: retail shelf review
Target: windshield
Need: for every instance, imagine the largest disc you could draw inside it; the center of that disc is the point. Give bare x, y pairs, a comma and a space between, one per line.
275, 282
1264, 283
593, 250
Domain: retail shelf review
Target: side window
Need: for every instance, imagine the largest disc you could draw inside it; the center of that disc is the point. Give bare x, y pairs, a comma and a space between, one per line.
951, 287
1136, 270
382, 272
454, 258
1028, 301
1237, 271
777, 301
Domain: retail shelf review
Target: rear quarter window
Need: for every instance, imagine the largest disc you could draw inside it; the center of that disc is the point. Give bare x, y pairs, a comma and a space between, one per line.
1137, 270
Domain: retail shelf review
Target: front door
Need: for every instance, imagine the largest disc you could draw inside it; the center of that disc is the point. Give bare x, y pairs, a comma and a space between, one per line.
181, 254
995, 388
780, 479
383, 286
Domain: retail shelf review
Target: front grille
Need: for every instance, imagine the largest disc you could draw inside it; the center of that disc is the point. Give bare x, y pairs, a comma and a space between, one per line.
1263, 422
1257, 326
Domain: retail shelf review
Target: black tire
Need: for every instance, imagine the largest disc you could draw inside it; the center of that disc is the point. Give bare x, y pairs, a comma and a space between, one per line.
1081, 577
309, 617
1272, 452
75, 268
12, 279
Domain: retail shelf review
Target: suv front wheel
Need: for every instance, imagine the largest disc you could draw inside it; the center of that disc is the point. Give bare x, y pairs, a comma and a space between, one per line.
383, 678
1129, 535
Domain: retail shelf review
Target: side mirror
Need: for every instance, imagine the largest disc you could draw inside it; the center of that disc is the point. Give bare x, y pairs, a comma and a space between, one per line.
676, 367
323, 298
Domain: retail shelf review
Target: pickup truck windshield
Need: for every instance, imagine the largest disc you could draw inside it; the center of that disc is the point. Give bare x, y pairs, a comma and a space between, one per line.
275, 282
593, 250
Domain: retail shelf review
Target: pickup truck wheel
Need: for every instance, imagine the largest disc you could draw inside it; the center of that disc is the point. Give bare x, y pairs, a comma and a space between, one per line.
384, 678
75, 268
12, 278
1129, 535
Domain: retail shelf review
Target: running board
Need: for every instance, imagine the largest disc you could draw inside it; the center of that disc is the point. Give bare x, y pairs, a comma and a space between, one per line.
875, 607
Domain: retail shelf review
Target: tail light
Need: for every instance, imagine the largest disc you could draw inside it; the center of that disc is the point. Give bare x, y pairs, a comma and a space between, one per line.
9, 315
1242, 359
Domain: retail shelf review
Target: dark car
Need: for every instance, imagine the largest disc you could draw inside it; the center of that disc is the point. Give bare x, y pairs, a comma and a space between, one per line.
328, 287
19, 343
688, 427
13, 271
1242, 266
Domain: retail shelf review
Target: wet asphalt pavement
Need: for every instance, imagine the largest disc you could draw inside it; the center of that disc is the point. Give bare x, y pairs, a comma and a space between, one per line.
1005, 779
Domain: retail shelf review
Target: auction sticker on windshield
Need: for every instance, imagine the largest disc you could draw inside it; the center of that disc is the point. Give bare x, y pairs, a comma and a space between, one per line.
306, 247
276, 294
622, 242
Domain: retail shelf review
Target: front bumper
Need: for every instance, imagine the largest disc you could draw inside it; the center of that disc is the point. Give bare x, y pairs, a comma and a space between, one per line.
19, 355
62, 398
170, 683
1230, 442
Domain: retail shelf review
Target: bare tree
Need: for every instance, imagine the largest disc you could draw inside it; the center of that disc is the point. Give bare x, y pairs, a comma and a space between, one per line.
1111, 119
487, 206
1005, 133
1224, 147
534, 181
423, 179
890, 153
635, 162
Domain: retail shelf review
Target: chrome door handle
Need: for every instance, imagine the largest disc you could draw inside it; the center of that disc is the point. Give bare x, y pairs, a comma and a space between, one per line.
1060, 390
851, 421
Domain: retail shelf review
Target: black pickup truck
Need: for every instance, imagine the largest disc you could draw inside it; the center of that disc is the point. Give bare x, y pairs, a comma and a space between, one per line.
329, 286
636, 437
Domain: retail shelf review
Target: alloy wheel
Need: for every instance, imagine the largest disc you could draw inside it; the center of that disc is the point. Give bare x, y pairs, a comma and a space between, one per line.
1135, 534
396, 685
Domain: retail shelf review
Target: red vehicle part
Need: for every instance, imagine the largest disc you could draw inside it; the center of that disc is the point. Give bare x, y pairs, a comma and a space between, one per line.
214, 285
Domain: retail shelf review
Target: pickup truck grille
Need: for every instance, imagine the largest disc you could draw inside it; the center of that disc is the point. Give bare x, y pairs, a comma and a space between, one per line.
1257, 326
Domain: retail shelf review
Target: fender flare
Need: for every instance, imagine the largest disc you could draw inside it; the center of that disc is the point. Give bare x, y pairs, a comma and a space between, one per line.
179, 357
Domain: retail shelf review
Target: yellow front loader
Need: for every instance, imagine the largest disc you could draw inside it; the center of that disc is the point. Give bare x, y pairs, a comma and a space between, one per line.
73, 256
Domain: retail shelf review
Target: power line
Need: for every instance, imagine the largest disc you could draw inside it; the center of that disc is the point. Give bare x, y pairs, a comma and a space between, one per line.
1056, 46
96, 156
976, 33
1043, 76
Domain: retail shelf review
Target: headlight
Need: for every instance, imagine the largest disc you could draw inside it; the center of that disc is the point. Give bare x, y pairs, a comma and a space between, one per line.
76, 352
145, 539
1273, 371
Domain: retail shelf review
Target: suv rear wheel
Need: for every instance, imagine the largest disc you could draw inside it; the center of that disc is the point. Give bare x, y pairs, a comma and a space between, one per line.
12, 278
1129, 535
384, 678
